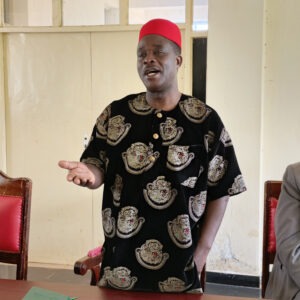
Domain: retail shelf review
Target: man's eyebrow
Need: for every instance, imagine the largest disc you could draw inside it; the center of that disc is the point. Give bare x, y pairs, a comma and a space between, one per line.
154, 46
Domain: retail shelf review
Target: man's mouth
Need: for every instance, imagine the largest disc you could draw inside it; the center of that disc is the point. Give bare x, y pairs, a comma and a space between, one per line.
151, 72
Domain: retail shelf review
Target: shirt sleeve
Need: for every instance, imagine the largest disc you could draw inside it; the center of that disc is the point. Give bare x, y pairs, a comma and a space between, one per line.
95, 152
224, 175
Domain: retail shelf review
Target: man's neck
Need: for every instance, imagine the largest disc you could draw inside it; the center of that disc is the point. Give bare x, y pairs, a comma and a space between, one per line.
163, 101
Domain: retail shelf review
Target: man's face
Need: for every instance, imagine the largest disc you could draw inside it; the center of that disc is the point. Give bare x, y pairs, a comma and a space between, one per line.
157, 63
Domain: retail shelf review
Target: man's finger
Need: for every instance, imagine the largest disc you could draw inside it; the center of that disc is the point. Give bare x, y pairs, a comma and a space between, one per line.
69, 165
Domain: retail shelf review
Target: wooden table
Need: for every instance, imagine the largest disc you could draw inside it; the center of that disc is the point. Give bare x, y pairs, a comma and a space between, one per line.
17, 289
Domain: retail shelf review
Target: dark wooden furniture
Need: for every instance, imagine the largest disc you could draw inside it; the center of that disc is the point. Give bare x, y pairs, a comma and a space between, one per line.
89, 263
93, 264
271, 194
17, 289
15, 200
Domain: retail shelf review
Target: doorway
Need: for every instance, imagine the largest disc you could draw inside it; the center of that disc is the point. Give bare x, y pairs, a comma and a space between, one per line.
199, 68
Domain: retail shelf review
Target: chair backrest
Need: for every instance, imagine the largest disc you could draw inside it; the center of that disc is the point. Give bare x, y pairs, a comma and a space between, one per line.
15, 201
271, 194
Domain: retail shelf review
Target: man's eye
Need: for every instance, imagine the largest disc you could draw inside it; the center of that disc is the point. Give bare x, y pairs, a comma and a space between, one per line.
141, 55
161, 52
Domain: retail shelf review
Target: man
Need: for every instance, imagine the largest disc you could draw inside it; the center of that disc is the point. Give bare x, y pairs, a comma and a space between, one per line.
284, 282
168, 168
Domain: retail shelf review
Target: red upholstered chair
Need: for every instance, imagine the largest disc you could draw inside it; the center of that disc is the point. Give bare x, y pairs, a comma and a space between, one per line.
15, 198
92, 262
271, 194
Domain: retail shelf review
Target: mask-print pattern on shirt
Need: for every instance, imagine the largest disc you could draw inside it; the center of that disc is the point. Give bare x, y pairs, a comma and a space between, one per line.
117, 130
118, 278
169, 131
139, 158
103, 158
151, 256
179, 157
194, 109
102, 122
140, 106
225, 138
216, 170
129, 223
173, 284
180, 231
190, 182
209, 139
159, 193
109, 223
238, 186
197, 205
116, 190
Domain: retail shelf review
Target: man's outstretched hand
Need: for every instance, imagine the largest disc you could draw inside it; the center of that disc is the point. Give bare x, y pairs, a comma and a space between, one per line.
82, 174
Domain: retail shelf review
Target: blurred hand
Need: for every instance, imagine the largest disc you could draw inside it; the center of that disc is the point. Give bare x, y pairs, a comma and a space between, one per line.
80, 174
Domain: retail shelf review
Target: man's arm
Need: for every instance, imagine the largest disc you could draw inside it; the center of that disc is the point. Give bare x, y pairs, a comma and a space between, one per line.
82, 174
212, 220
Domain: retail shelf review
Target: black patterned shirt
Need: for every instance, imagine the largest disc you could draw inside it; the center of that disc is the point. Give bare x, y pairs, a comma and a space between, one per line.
160, 170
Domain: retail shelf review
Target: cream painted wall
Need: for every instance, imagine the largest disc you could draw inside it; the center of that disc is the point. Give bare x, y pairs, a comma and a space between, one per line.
252, 81
281, 133
58, 83
48, 110
234, 76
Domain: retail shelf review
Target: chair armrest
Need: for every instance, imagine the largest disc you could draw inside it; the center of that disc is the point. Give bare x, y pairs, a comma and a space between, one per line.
86, 263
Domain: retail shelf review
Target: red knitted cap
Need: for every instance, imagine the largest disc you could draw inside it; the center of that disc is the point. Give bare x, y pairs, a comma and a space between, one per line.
162, 27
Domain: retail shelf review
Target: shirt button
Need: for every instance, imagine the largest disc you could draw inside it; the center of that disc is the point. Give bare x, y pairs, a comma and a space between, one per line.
155, 136
159, 115
152, 158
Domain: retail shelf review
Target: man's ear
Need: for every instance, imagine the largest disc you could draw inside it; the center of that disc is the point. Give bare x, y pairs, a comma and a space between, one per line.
179, 60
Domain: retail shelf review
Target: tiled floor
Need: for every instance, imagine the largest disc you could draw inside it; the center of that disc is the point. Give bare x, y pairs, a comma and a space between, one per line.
66, 275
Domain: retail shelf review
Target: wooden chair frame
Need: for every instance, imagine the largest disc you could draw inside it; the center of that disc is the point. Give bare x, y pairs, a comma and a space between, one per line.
271, 189
18, 187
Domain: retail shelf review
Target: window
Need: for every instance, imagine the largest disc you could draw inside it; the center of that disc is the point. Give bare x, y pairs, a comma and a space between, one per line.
200, 17
142, 11
90, 12
74, 12
28, 12
100, 12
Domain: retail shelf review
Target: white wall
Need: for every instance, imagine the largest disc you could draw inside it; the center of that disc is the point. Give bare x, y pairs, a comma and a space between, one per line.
253, 73
234, 76
48, 111
281, 132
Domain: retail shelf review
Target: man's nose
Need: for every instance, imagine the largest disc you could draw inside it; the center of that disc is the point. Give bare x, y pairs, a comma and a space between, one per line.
149, 58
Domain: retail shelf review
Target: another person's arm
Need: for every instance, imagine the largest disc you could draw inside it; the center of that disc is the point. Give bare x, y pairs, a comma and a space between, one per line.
287, 223
82, 174
212, 220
